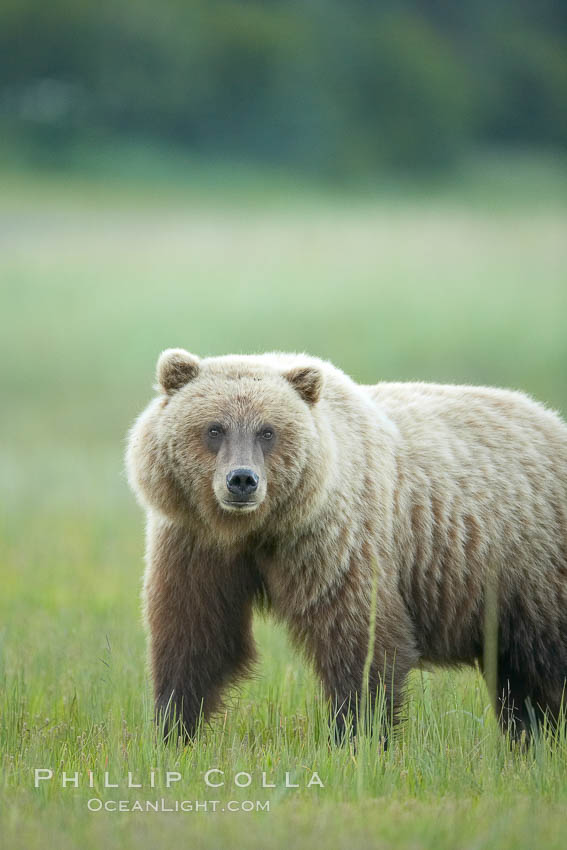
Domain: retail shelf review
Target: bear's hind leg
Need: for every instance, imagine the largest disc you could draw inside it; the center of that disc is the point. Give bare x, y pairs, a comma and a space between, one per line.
523, 708
513, 704
549, 704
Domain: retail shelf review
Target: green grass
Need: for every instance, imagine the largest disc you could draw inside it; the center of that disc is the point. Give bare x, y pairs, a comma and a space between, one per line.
96, 279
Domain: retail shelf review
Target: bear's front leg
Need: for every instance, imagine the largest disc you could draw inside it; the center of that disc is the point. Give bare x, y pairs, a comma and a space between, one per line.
356, 697
364, 673
199, 613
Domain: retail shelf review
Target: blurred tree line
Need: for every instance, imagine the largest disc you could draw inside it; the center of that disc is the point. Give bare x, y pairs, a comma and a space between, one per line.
331, 85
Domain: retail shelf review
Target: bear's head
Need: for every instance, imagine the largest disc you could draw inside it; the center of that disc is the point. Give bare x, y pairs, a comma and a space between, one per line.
228, 440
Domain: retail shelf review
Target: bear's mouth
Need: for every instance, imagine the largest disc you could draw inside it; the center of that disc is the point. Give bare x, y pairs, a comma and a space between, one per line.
244, 506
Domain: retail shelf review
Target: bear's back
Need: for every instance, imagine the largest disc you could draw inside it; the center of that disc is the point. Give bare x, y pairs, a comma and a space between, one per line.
481, 487
504, 420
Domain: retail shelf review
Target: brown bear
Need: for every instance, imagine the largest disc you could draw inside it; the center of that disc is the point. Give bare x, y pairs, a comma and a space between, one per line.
408, 511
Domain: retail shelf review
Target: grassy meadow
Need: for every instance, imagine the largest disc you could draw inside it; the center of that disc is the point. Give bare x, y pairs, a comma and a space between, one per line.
98, 273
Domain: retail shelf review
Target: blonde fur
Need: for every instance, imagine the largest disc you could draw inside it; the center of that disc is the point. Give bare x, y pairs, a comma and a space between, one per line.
442, 491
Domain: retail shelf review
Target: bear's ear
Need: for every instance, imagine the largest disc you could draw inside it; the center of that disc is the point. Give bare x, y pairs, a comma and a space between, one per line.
175, 368
307, 381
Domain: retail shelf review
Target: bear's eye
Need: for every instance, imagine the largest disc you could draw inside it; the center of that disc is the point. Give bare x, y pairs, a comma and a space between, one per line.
267, 434
215, 431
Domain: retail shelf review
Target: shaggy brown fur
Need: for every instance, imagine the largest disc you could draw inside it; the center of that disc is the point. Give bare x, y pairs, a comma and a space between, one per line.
444, 492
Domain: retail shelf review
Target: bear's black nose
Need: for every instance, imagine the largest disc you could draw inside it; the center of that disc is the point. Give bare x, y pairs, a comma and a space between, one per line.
242, 481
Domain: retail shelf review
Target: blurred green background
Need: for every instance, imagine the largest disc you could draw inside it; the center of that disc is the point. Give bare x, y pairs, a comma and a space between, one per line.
340, 88
382, 184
